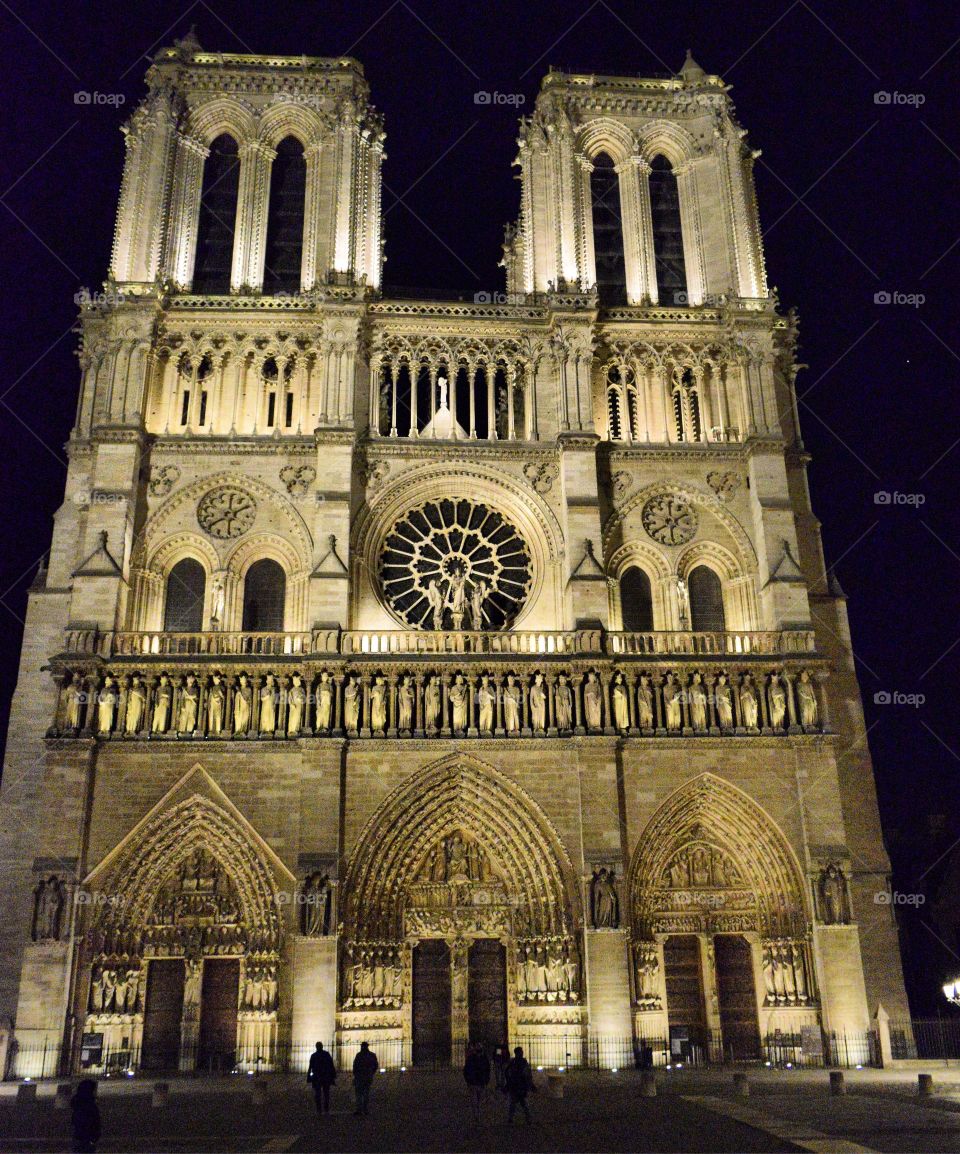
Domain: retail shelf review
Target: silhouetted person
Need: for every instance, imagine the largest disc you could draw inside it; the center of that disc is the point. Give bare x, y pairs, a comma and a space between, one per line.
321, 1074
518, 1080
500, 1058
476, 1073
85, 1117
365, 1066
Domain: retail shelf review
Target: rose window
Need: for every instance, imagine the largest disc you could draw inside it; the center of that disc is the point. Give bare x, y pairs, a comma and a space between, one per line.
669, 519
455, 565
226, 512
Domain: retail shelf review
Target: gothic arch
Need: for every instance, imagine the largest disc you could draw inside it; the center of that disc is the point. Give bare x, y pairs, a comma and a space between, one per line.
221, 114
281, 120
664, 138
606, 135
763, 871
459, 793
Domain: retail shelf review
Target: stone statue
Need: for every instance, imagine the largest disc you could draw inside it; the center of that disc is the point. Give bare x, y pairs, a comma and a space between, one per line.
47, 910
749, 707
647, 964
683, 603
486, 699
645, 703
435, 601
833, 895
218, 600
478, 594
604, 902
242, 705
457, 598
563, 704
538, 704
698, 703
459, 698
700, 867
162, 705
324, 702
107, 705
191, 983
268, 706
592, 702
511, 705
136, 705
189, 702
216, 702
315, 916
808, 701
378, 704
351, 704
777, 700
75, 699
671, 703
296, 706
621, 704
405, 704
431, 703
724, 702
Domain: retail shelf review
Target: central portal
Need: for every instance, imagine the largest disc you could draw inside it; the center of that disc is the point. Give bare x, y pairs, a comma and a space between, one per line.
487, 993
432, 1036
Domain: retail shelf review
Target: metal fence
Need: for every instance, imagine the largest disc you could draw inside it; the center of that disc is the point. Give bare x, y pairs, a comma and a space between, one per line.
928, 1038
809, 1048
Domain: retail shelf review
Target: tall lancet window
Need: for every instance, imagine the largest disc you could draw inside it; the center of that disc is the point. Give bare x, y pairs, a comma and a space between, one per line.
706, 601
186, 585
667, 234
608, 233
636, 601
218, 218
264, 594
288, 190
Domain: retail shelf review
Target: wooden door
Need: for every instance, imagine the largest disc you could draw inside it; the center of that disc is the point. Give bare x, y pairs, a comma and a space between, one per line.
487, 993
163, 1012
737, 991
686, 1012
218, 1014
432, 1036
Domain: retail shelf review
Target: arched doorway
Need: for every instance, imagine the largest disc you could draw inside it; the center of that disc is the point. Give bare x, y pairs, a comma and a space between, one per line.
264, 595
461, 919
186, 588
184, 973
720, 926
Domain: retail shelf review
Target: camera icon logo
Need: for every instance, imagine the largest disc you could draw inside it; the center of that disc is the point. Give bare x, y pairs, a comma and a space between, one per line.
881, 497
482, 98
882, 298
82, 98
882, 697
882, 98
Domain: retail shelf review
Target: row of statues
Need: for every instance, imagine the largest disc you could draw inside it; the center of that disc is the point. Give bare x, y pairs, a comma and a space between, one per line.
115, 990
458, 703
373, 976
259, 988
547, 971
785, 970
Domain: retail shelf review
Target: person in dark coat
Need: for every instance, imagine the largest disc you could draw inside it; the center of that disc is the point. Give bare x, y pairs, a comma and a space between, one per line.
321, 1074
500, 1058
518, 1082
476, 1073
85, 1117
365, 1066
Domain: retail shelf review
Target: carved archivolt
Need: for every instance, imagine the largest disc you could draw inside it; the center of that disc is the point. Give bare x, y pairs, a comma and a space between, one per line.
711, 860
464, 802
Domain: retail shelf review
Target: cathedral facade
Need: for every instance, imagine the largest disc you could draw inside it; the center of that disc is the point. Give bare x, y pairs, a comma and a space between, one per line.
419, 670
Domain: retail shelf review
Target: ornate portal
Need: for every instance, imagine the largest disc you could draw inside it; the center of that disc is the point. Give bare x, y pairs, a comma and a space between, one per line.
455, 565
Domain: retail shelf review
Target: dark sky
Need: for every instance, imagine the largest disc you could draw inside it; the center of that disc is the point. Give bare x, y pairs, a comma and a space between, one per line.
856, 198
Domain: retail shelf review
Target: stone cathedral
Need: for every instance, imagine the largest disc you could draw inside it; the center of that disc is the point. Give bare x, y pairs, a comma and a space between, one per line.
419, 670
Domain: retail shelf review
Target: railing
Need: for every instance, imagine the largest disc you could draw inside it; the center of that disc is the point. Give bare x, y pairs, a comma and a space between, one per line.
359, 642
927, 1038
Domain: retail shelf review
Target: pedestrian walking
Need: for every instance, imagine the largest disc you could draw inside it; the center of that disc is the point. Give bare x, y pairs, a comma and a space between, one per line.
500, 1058
518, 1082
476, 1073
365, 1066
85, 1117
321, 1074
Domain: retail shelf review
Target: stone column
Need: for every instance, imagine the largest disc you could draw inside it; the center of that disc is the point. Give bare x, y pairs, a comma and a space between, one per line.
256, 159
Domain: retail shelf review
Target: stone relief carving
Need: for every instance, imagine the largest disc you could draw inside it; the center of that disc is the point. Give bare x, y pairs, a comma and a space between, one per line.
315, 896
621, 483
604, 899
162, 479
834, 896
226, 512
548, 970
375, 474
541, 477
373, 975
725, 485
786, 970
298, 479
646, 963
48, 909
669, 519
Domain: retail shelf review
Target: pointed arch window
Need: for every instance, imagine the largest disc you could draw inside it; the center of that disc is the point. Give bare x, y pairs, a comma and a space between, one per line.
264, 594
667, 234
636, 601
706, 601
608, 232
288, 190
688, 418
218, 217
183, 607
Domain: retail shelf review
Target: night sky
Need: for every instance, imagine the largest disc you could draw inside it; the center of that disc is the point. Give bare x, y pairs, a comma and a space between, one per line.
857, 197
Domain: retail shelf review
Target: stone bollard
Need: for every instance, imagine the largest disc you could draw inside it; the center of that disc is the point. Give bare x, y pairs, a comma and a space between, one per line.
925, 1085
648, 1084
555, 1085
258, 1096
741, 1087
64, 1094
26, 1093
161, 1094
837, 1086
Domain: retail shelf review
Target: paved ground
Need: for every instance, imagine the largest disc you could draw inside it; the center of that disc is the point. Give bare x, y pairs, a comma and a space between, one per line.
693, 1111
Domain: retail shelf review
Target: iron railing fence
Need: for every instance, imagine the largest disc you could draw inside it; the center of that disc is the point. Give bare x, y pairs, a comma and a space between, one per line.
574, 1050
925, 1038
